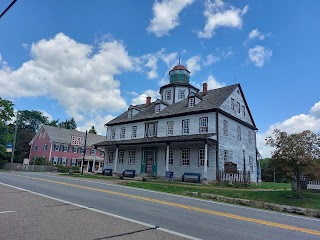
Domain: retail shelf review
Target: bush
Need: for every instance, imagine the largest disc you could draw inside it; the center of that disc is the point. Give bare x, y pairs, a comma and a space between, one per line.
65, 169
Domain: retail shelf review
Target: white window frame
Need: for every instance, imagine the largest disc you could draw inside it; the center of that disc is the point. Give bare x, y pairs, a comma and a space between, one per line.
170, 128
170, 157
168, 94
57, 147
123, 133
45, 147
55, 161
121, 157
225, 127
185, 126
182, 94
91, 151
65, 148
151, 129
185, 157
157, 108
110, 156
130, 113
101, 153
73, 161
132, 157
201, 156
64, 161
203, 125
113, 134
192, 101
74, 149
239, 133
35, 148
134, 132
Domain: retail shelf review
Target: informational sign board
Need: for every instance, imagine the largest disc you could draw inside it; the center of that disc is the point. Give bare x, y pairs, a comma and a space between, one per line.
169, 175
230, 167
26, 161
77, 141
9, 147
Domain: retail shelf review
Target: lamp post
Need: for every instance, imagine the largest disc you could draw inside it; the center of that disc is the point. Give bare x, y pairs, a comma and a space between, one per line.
244, 163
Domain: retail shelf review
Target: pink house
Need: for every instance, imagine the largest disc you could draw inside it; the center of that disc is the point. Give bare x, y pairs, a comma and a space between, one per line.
65, 147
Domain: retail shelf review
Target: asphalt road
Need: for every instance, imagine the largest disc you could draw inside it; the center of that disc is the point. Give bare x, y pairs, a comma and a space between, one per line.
193, 218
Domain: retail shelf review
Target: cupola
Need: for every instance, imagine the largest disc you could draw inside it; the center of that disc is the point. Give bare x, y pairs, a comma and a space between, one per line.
179, 74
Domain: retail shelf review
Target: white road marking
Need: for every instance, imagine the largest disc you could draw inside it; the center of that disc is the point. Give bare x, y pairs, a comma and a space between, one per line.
8, 212
106, 213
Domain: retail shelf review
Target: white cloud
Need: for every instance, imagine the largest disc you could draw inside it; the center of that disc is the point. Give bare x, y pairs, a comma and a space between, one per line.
152, 63
193, 64
258, 55
211, 59
79, 78
213, 83
169, 58
295, 124
46, 114
166, 16
219, 14
256, 34
142, 98
163, 82
98, 123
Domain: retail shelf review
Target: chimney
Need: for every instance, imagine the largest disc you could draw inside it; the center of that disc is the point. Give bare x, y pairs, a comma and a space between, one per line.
204, 89
148, 101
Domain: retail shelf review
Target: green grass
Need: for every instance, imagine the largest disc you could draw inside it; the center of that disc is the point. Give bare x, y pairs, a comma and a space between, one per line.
78, 175
283, 197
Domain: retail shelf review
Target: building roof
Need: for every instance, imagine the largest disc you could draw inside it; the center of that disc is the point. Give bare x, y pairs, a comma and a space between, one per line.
63, 135
179, 67
151, 140
178, 84
212, 100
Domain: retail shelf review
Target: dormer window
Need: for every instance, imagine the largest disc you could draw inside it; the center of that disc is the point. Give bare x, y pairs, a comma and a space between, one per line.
191, 102
157, 108
130, 113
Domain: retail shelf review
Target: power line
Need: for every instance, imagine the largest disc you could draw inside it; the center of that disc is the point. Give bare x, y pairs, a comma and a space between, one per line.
8, 8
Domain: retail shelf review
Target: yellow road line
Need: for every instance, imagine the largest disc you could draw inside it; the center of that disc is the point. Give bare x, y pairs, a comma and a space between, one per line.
222, 214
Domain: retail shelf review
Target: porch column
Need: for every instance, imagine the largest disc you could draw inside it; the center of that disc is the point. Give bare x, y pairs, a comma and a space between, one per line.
116, 160
167, 158
94, 160
205, 168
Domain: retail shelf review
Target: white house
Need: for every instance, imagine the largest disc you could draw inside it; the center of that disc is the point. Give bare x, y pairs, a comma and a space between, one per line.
186, 131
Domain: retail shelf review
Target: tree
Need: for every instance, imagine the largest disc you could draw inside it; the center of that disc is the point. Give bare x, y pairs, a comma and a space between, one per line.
92, 130
54, 123
68, 124
297, 154
6, 110
5, 138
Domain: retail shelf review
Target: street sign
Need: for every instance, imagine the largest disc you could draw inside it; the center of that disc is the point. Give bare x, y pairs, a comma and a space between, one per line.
169, 175
9, 147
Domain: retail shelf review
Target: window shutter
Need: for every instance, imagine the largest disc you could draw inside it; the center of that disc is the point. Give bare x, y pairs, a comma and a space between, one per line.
230, 156
66, 161
52, 160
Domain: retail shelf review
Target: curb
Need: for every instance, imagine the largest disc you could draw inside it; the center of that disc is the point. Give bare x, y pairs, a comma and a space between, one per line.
257, 204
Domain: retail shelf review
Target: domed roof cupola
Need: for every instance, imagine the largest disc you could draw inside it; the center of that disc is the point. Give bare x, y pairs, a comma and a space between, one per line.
180, 74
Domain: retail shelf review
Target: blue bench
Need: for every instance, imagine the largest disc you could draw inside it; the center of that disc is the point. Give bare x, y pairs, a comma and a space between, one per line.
129, 173
107, 172
187, 175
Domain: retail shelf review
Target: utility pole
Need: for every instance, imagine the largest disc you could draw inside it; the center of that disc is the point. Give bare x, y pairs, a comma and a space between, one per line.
14, 139
84, 152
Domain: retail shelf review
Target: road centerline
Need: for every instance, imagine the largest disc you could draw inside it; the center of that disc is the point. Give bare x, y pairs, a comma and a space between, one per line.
183, 206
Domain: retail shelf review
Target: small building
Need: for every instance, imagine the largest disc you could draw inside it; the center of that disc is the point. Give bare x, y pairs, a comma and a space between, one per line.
210, 133
66, 147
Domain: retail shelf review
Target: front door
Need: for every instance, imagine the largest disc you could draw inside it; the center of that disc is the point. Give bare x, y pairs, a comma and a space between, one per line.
149, 161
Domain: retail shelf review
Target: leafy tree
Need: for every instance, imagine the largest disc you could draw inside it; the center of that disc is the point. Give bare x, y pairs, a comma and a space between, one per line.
68, 124
92, 130
5, 137
6, 110
296, 154
270, 173
54, 123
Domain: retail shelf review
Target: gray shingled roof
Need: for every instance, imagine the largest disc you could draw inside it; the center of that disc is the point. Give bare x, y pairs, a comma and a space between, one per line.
212, 100
150, 140
62, 135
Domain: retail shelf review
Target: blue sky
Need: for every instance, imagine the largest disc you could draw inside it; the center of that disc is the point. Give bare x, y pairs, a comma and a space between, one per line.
91, 59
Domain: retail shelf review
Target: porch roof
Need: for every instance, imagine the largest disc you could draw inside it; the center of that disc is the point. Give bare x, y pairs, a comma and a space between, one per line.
165, 140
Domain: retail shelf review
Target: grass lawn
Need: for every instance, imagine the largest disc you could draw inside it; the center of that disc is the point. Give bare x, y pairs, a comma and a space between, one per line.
91, 176
283, 197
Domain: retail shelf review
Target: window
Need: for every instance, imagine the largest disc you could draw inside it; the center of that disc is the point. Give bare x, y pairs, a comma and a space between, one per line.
239, 133
185, 157
121, 157
75, 149
130, 113
64, 161
82, 151
91, 151
157, 108
201, 157
132, 156
232, 104
170, 157
181, 94
45, 147
243, 110
113, 134
170, 128
55, 160
168, 95
191, 102
35, 147
101, 153
151, 129
225, 127
249, 137
225, 156
110, 156
251, 163
238, 106
123, 133
73, 161
57, 147
185, 126
134, 132
66, 148
203, 124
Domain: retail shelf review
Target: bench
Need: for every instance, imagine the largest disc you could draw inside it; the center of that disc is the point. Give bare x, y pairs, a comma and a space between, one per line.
187, 175
129, 173
107, 172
